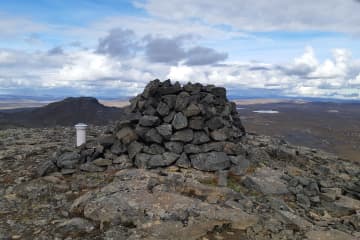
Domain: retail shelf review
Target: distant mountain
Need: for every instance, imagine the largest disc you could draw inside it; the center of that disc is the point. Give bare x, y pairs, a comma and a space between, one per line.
66, 112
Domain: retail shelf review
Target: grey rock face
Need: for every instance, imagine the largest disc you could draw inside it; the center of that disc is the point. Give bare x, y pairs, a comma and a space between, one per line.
214, 123
240, 165
182, 101
196, 123
134, 148
154, 149
166, 159
165, 130
179, 121
126, 135
186, 135
200, 137
192, 110
75, 226
90, 167
153, 136
170, 100
220, 134
142, 159
149, 121
266, 181
163, 109
176, 147
123, 162
46, 168
107, 140
118, 148
102, 162
192, 148
183, 161
211, 161
68, 160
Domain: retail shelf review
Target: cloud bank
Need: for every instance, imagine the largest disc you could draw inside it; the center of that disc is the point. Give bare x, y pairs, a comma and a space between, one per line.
123, 69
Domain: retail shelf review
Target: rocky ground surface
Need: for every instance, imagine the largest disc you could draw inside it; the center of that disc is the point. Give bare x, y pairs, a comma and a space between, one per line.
280, 192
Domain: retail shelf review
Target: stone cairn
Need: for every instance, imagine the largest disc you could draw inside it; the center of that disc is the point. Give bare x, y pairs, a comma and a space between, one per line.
188, 126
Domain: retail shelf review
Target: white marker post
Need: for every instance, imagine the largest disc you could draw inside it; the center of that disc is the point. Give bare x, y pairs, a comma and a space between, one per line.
80, 133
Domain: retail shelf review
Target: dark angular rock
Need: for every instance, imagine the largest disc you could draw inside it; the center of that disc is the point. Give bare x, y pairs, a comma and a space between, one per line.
208, 99
170, 100
213, 146
169, 117
182, 101
312, 189
219, 92
176, 147
163, 109
134, 148
141, 131
118, 148
122, 162
149, 111
169, 158
267, 181
221, 134
193, 88
68, 160
90, 167
154, 149
231, 148
164, 160
155, 161
303, 201
126, 135
151, 88
212, 161
192, 110
222, 176
149, 121
142, 159
109, 155
179, 121
183, 161
153, 136
200, 137
240, 165
106, 140
169, 89
214, 123
196, 123
191, 148
165, 130
185, 135
46, 168
101, 162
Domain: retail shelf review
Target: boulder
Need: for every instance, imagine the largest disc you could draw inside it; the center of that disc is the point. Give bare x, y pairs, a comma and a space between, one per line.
212, 161
126, 135
149, 121
176, 147
185, 135
266, 181
179, 121
165, 130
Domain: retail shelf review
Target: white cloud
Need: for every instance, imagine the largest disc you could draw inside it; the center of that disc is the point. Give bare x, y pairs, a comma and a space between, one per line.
88, 72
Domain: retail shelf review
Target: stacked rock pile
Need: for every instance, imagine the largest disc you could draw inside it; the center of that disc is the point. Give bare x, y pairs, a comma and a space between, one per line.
190, 126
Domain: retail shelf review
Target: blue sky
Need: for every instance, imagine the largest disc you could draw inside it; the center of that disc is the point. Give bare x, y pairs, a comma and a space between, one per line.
111, 48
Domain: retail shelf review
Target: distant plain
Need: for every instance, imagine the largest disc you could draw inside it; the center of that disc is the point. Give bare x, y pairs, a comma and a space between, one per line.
331, 126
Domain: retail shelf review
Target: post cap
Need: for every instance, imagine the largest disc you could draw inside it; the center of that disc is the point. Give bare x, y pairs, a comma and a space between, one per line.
81, 125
